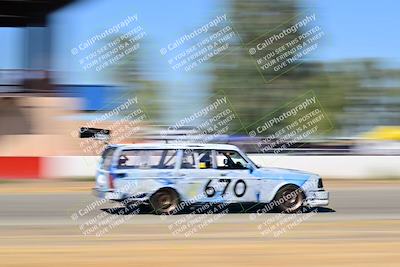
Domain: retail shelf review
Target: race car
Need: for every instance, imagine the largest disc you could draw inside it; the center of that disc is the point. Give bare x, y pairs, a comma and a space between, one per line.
170, 176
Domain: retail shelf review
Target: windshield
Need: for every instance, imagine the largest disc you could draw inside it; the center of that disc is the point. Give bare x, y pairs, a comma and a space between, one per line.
230, 159
248, 159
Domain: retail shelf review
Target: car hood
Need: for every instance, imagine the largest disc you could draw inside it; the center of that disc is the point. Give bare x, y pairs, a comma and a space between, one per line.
284, 174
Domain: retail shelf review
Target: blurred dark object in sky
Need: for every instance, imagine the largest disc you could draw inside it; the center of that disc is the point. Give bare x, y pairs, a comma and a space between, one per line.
24, 13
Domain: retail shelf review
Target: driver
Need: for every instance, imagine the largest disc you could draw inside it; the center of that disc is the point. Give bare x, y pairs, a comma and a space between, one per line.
122, 160
230, 163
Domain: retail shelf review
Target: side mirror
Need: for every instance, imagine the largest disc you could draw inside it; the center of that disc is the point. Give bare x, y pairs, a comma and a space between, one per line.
225, 161
250, 167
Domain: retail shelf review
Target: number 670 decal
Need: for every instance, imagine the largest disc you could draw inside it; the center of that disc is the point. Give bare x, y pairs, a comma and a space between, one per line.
210, 190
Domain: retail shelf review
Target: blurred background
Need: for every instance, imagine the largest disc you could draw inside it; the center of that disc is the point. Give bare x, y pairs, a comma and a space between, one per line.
199, 71
51, 84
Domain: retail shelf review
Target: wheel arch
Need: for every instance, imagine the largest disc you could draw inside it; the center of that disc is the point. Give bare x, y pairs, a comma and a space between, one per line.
166, 188
282, 185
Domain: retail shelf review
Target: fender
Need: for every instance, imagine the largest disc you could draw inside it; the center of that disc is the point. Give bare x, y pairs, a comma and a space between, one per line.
270, 194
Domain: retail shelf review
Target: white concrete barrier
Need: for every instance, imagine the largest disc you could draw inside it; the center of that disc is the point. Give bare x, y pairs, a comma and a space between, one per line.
69, 166
355, 167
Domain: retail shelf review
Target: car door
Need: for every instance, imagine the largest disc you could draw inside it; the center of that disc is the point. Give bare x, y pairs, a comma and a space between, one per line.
238, 185
142, 171
196, 170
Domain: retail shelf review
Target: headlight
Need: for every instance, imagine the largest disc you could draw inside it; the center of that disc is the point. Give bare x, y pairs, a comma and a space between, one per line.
320, 184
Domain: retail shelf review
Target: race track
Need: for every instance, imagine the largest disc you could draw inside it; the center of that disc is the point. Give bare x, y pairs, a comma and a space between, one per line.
361, 227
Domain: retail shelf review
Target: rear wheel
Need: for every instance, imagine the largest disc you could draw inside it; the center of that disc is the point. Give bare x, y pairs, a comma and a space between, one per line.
165, 201
289, 198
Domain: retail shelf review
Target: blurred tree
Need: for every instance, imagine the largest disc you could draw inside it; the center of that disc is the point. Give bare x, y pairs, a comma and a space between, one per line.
130, 71
236, 71
360, 94
356, 94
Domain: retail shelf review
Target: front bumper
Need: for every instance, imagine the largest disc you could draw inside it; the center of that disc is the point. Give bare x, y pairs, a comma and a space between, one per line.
318, 198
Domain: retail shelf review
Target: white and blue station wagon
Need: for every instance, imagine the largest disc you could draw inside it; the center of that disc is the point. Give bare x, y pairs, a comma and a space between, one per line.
167, 175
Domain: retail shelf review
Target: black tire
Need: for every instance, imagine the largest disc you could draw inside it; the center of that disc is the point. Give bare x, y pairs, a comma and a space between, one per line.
290, 199
165, 201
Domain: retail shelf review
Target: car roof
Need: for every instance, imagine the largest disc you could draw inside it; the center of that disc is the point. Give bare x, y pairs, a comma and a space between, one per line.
176, 146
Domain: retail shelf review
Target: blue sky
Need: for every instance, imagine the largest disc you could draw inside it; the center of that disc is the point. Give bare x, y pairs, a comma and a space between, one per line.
162, 21
359, 29
354, 29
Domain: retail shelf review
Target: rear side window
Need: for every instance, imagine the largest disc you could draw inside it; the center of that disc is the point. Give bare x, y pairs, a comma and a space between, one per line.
106, 158
201, 159
188, 160
147, 159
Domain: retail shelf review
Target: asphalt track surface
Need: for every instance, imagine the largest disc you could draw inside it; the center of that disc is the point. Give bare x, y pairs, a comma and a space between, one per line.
361, 227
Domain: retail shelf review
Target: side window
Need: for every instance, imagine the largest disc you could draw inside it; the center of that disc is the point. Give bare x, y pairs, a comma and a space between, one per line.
140, 159
227, 159
169, 159
188, 160
205, 159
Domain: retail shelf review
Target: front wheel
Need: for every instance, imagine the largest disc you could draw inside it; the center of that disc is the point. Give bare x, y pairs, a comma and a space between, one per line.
289, 198
165, 201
